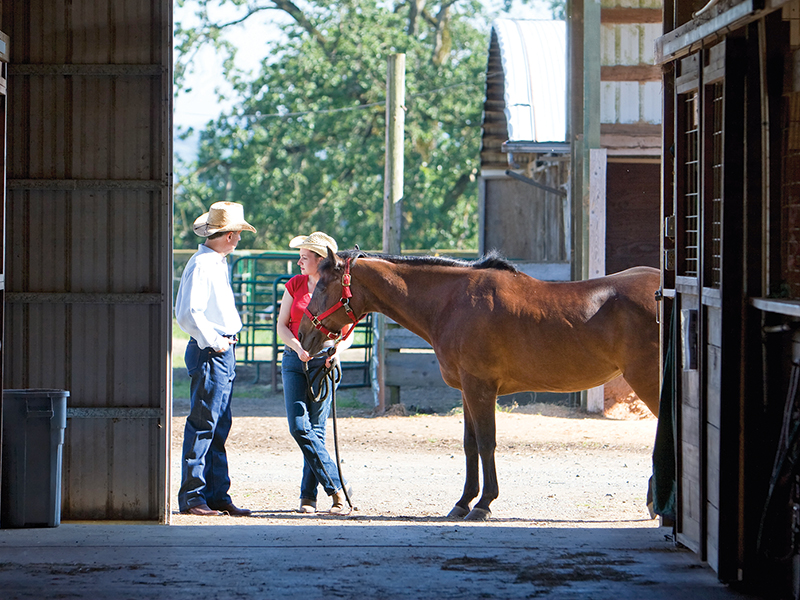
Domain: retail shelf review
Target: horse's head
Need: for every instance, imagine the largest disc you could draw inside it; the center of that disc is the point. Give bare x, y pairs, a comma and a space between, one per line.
330, 309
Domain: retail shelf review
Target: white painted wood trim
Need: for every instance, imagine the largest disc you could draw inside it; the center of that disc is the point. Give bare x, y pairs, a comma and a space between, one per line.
598, 158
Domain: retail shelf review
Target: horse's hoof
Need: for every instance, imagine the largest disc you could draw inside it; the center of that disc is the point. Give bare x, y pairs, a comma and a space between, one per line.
457, 513
478, 514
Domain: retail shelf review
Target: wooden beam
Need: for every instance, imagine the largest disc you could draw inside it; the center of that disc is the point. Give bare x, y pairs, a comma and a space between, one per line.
595, 397
641, 137
791, 13
630, 73
597, 212
621, 16
630, 129
691, 35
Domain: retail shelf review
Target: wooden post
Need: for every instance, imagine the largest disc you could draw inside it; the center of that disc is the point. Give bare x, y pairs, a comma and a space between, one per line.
598, 159
595, 397
392, 210
584, 63
393, 180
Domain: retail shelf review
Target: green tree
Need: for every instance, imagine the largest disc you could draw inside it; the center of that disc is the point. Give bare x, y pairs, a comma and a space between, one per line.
304, 147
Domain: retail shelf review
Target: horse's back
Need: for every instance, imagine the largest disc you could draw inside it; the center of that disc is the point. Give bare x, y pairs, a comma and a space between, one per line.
639, 284
529, 334
649, 274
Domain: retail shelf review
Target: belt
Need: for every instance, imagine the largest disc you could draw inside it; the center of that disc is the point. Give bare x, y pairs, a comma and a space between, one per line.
231, 337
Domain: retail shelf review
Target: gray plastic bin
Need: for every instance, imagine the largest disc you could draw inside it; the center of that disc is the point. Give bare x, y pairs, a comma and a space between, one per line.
33, 436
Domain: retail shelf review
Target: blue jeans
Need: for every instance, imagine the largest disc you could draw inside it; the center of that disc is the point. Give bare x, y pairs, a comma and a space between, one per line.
307, 423
204, 468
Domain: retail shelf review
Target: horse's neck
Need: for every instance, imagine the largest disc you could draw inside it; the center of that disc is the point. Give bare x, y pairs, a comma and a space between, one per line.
402, 293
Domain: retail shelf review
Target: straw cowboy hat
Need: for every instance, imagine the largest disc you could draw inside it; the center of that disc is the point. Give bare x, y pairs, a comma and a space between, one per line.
221, 217
316, 242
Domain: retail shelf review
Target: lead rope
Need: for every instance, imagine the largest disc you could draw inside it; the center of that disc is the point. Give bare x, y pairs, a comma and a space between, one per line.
329, 378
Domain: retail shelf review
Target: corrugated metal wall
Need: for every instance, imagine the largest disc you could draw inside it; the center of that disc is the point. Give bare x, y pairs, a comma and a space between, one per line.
3, 139
89, 222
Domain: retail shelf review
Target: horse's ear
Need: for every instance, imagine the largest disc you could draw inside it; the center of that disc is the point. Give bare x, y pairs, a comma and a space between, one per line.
332, 257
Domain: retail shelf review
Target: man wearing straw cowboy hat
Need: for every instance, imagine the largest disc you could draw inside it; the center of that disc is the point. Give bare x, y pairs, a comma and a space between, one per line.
206, 310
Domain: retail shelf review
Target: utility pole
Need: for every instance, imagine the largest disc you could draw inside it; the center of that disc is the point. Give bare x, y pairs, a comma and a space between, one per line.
393, 181
392, 212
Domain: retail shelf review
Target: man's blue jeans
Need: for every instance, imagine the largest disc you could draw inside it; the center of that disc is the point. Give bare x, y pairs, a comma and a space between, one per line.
204, 468
307, 423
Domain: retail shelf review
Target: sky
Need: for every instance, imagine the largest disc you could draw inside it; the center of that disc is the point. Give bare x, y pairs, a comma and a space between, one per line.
201, 104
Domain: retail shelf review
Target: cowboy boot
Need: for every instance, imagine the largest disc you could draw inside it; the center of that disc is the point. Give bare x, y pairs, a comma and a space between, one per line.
340, 500
307, 506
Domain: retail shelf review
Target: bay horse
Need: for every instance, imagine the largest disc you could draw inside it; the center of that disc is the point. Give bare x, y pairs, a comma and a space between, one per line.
497, 331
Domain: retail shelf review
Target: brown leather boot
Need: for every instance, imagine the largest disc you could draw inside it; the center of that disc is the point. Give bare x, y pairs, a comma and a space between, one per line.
340, 501
307, 506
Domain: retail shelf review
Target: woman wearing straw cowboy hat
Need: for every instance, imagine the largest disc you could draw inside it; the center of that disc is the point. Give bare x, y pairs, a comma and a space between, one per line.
206, 310
307, 418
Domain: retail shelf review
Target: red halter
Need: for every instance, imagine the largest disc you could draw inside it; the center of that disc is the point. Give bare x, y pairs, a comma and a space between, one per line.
344, 302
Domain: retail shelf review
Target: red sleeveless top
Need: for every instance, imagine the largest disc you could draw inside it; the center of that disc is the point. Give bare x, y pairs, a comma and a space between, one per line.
297, 287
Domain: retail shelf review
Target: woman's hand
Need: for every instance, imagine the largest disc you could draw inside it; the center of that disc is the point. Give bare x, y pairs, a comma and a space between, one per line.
331, 360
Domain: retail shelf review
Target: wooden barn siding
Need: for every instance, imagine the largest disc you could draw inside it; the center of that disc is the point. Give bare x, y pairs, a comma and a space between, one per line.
89, 221
713, 372
690, 457
631, 94
791, 195
633, 207
524, 222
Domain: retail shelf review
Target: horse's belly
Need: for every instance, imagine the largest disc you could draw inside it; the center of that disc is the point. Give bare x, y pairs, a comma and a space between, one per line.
553, 382
556, 373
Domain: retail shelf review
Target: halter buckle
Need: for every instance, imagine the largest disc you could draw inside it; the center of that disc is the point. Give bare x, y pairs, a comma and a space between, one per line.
346, 293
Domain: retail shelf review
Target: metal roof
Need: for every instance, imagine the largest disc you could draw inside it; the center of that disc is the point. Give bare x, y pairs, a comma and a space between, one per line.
534, 59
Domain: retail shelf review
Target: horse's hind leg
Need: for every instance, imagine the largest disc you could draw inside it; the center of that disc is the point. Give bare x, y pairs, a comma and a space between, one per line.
471, 487
642, 376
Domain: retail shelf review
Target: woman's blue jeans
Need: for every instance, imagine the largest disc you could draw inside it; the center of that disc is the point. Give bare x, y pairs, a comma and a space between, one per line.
307, 423
204, 467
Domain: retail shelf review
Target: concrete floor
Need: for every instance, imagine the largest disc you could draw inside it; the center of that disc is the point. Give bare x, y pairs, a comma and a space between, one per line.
333, 557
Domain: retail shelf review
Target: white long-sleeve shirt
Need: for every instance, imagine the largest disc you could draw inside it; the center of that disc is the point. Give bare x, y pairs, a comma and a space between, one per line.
205, 307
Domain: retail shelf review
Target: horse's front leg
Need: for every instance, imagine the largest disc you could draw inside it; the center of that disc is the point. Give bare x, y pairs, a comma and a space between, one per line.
485, 432
479, 399
471, 486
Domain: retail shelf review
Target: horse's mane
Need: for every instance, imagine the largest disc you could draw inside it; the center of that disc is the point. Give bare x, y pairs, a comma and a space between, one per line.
492, 260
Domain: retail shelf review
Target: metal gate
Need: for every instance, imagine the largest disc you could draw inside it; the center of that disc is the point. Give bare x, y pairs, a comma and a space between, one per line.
258, 282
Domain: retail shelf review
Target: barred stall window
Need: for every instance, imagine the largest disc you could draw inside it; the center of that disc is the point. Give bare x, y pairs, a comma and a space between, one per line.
689, 193
716, 120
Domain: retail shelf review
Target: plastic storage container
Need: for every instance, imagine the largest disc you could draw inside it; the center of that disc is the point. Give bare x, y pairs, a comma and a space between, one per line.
33, 436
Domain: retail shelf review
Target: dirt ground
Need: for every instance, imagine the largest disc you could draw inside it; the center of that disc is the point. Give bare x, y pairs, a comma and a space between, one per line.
557, 466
